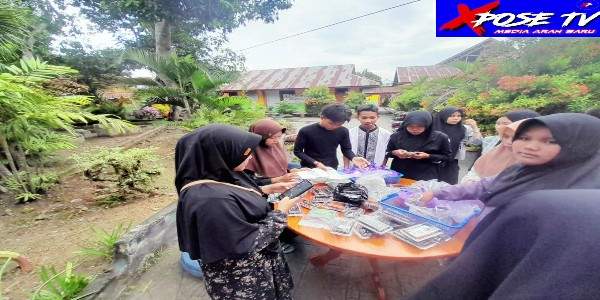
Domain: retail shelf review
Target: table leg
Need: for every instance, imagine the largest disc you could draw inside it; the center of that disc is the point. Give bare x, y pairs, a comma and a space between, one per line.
376, 279
323, 259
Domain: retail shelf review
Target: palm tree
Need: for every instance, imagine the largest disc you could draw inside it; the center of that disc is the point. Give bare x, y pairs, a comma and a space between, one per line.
14, 27
179, 78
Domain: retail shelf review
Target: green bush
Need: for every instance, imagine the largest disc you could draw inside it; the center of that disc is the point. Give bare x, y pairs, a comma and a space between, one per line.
238, 111
29, 186
288, 108
63, 285
548, 76
104, 242
130, 170
355, 99
316, 99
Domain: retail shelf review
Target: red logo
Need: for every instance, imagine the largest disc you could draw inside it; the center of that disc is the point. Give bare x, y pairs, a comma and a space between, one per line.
466, 16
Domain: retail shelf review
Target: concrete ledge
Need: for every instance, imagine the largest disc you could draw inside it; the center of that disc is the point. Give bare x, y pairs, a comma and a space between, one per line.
135, 248
139, 244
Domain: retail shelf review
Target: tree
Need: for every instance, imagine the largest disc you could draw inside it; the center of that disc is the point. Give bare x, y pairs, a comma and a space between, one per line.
164, 17
368, 74
180, 79
34, 124
207, 48
47, 18
96, 68
14, 27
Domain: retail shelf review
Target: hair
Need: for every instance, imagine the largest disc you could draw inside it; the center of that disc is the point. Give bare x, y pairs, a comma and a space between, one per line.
336, 112
594, 112
367, 107
527, 127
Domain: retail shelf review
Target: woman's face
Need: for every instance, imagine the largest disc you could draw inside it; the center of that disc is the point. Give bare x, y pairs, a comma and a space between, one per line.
507, 138
241, 167
535, 146
415, 129
501, 122
274, 139
454, 118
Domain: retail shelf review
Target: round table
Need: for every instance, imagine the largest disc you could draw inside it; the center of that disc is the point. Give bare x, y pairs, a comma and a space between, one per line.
384, 247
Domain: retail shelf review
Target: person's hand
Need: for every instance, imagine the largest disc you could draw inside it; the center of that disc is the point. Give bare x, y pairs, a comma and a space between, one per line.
420, 155
471, 122
400, 153
285, 204
426, 198
289, 177
279, 187
360, 162
320, 165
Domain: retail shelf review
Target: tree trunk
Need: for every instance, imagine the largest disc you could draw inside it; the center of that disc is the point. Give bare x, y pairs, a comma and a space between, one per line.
162, 38
6, 148
4, 172
30, 43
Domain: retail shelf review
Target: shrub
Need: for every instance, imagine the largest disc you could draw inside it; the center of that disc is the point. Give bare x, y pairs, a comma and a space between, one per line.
131, 170
355, 99
236, 111
104, 242
287, 108
62, 285
316, 99
35, 185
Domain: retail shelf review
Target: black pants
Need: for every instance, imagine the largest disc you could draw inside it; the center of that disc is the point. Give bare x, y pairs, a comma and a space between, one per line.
449, 172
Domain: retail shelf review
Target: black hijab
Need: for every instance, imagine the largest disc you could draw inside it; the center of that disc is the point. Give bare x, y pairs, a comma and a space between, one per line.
521, 114
211, 152
543, 245
576, 166
456, 132
412, 142
217, 220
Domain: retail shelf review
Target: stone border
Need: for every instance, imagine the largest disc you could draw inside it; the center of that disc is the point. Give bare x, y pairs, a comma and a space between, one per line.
135, 248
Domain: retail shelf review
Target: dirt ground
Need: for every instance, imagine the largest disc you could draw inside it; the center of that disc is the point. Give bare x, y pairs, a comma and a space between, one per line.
51, 231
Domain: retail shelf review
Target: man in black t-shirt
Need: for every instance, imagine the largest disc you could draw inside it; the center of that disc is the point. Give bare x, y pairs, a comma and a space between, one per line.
316, 144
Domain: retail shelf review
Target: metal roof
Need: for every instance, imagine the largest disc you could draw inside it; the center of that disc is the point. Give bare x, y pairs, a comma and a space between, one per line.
299, 78
384, 90
490, 42
414, 74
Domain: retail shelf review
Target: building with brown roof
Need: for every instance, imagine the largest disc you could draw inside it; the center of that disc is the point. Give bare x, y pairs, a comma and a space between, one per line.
410, 75
269, 87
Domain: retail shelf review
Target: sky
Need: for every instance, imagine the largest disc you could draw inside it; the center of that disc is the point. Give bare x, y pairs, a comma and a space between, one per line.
404, 36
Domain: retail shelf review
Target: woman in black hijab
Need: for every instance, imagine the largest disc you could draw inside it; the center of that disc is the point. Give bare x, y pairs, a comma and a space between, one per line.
417, 150
223, 219
543, 245
575, 166
450, 122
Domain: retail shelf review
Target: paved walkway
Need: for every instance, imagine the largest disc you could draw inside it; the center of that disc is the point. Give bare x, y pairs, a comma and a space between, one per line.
347, 277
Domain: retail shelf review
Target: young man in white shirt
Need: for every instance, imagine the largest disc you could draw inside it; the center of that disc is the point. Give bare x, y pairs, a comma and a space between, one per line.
369, 140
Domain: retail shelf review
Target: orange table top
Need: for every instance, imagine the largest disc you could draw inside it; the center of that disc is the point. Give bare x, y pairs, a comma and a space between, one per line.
385, 246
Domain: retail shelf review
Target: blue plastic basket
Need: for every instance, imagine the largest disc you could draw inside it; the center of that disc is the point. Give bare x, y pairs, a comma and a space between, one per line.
387, 204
